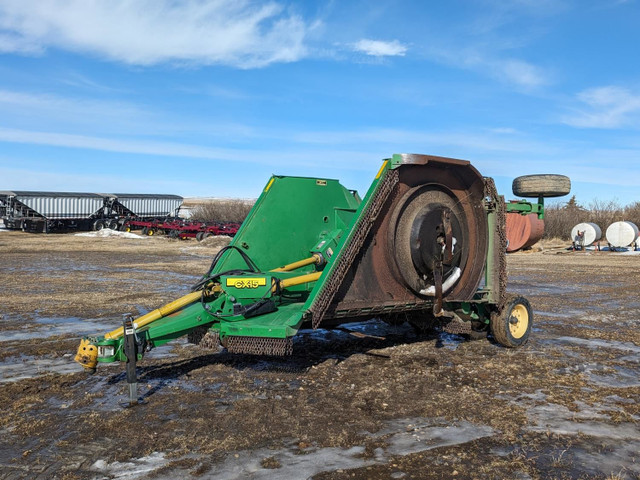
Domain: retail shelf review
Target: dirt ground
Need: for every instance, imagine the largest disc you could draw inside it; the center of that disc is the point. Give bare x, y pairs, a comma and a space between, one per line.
388, 405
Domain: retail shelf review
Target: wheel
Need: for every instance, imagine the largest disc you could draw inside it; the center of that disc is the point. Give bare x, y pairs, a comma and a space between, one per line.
144, 230
151, 232
113, 224
98, 225
174, 234
511, 327
199, 236
206, 235
541, 185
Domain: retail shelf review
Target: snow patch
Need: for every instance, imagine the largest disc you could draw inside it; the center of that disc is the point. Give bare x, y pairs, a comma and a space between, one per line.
588, 420
596, 343
133, 469
53, 327
107, 232
30, 367
406, 436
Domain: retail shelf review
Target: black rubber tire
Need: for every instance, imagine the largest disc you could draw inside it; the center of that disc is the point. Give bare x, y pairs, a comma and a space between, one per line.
199, 236
113, 224
98, 225
512, 326
545, 185
144, 230
174, 234
206, 235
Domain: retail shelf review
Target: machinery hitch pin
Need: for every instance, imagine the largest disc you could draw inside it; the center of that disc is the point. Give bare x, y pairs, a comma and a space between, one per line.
131, 352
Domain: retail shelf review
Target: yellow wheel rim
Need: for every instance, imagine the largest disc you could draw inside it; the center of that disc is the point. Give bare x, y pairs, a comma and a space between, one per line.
150, 233
518, 321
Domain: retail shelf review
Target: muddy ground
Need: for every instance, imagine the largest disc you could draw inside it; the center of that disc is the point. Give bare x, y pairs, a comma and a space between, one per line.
389, 405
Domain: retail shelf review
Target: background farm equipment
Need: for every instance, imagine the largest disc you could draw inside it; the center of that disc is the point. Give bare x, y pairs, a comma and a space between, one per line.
57, 211
525, 219
426, 245
183, 229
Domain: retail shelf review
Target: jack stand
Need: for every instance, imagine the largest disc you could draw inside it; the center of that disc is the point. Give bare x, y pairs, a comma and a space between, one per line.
131, 352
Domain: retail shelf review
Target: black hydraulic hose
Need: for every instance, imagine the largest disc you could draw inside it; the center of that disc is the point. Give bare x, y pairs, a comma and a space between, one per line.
248, 308
253, 268
250, 263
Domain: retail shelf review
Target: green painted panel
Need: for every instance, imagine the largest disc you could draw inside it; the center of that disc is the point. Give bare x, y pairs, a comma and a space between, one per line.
287, 221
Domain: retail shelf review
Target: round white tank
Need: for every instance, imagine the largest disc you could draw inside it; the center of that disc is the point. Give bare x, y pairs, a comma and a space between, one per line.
590, 232
622, 234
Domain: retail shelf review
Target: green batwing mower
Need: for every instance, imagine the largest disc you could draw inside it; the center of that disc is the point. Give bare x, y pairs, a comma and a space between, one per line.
426, 244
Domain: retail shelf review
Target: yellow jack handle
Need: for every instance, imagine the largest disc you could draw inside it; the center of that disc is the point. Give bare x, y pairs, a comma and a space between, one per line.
87, 355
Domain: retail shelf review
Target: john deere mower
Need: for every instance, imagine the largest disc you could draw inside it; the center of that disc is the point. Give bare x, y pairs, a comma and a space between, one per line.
426, 244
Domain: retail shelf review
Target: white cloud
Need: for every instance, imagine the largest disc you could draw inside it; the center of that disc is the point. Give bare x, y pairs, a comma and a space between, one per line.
379, 48
240, 33
605, 107
507, 70
521, 73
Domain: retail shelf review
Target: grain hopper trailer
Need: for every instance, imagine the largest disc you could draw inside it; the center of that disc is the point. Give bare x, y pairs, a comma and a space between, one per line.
426, 244
58, 211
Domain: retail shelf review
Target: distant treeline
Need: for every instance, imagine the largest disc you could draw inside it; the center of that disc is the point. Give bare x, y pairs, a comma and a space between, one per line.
560, 218
222, 210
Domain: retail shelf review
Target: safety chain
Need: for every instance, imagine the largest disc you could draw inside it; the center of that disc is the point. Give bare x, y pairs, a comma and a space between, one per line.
361, 230
500, 239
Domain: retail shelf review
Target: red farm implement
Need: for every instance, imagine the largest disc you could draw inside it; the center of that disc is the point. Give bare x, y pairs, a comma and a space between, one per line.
182, 229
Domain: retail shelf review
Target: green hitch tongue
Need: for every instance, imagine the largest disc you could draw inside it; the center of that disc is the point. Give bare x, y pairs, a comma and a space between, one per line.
131, 352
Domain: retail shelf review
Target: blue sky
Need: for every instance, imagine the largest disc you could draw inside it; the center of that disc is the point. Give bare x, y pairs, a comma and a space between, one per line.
209, 98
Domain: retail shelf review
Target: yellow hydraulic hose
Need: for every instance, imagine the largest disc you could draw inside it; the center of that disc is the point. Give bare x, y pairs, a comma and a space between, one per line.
87, 355
182, 302
309, 277
157, 314
315, 258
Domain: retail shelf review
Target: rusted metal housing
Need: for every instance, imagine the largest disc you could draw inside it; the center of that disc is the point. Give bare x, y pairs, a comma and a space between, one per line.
523, 231
390, 267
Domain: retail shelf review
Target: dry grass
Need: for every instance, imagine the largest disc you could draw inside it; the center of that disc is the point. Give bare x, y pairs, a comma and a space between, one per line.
560, 218
222, 211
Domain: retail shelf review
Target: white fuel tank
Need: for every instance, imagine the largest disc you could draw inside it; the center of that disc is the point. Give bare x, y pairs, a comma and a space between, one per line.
590, 232
622, 234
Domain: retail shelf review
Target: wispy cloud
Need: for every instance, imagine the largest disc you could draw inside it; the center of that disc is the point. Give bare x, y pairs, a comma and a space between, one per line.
298, 158
25, 179
513, 71
39, 110
605, 107
380, 48
240, 33
501, 152
77, 80
490, 41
